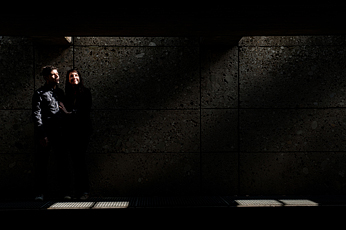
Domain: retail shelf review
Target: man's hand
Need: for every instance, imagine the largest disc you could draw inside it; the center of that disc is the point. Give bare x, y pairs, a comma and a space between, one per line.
44, 142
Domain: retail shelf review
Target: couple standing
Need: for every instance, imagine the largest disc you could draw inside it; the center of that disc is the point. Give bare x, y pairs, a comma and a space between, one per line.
62, 123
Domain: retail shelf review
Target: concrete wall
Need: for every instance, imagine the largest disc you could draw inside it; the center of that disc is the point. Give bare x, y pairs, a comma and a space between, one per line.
171, 117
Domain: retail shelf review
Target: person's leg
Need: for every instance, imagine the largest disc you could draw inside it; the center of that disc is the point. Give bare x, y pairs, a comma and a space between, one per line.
81, 174
78, 157
41, 169
62, 162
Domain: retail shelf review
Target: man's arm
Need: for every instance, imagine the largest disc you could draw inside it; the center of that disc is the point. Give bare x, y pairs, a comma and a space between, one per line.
37, 117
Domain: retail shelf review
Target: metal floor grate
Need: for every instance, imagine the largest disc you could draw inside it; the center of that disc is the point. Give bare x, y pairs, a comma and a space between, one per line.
177, 201
72, 205
299, 202
112, 204
257, 203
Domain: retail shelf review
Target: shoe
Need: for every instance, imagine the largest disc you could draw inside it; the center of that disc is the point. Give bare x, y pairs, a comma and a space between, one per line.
39, 197
85, 196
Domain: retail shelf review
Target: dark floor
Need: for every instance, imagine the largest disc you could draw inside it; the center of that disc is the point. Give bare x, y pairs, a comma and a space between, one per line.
178, 211
178, 202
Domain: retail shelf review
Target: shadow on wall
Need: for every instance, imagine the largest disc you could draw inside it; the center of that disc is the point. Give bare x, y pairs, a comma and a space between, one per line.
293, 97
130, 116
133, 87
292, 118
145, 100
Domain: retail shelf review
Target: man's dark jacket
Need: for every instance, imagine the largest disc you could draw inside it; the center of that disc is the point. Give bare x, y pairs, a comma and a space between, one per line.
45, 109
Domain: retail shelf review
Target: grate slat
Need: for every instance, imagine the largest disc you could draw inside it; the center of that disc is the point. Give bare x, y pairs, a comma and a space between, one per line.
257, 203
298, 202
112, 204
72, 205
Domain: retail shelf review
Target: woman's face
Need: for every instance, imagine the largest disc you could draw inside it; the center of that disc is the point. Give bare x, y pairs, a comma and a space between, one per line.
73, 78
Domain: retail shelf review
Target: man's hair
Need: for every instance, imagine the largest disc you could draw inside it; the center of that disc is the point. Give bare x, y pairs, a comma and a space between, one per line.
46, 71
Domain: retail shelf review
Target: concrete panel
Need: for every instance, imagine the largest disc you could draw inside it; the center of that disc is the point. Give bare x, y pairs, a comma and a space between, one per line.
94, 41
16, 73
291, 77
137, 41
16, 175
122, 174
219, 72
141, 77
292, 173
16, 132
292, 40
219, 130
145, 131
219, 173
292, 130
60, 57
157, 41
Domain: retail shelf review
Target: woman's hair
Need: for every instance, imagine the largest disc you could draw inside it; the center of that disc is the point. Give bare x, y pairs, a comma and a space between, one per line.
69, 88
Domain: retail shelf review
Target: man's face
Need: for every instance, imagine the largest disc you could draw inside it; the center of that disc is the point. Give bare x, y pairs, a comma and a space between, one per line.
53, 78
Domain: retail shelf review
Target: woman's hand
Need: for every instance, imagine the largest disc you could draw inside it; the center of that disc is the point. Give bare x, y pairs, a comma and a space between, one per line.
44, 142
62, 107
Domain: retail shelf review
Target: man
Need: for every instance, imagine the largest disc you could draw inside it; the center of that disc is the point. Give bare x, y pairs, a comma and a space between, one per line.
47, 121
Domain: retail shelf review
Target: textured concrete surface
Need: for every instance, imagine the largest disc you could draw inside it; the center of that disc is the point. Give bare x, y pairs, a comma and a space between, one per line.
219, 77
16, 73
60, 57
291, 122
292, 76
292, 130
172, 117
141, 77
145, 174
219, 130
16, 132
145, 131
293, 172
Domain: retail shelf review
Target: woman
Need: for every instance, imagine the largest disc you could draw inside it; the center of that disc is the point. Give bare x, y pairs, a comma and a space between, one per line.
78, 129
